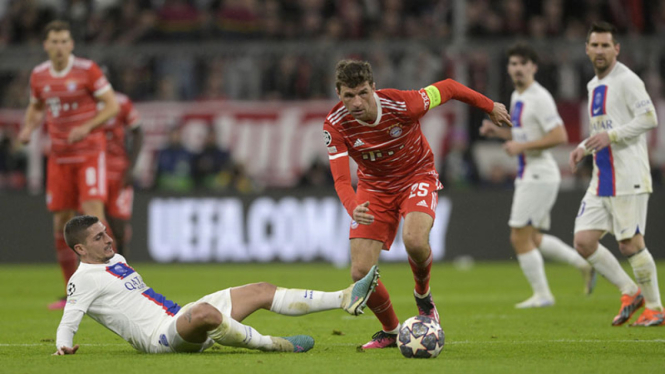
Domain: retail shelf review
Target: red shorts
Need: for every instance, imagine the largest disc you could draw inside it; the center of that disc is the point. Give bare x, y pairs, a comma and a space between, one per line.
388, 209
120, 199
71, 181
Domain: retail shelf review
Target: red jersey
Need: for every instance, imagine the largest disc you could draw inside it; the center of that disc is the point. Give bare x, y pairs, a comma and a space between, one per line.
69, 96
392, 151
117, 159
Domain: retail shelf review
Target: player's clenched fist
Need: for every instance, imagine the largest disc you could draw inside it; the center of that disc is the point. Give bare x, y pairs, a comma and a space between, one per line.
361, 215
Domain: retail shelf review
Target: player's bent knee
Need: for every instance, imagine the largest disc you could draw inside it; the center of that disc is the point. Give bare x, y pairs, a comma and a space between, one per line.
206, 315
416, 245
584, 246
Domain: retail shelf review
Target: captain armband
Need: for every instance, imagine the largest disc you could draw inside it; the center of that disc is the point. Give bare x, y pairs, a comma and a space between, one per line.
434, 96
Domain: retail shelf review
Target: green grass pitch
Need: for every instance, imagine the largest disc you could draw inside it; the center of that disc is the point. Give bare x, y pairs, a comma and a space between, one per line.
484, 333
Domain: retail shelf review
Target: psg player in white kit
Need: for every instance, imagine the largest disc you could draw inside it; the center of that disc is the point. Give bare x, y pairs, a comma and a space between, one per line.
114, 294
537, 127
621, 112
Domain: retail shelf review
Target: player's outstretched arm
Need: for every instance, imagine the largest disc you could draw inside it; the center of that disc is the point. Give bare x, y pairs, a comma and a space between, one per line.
69, 324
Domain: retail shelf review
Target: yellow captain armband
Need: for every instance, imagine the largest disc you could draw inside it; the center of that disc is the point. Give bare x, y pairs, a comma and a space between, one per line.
434, 96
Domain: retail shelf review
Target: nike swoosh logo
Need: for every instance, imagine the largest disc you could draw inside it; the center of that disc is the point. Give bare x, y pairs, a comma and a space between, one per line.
595, 111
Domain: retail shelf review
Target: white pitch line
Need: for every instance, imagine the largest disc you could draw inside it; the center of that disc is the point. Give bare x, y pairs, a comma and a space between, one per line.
447, 343
53, 343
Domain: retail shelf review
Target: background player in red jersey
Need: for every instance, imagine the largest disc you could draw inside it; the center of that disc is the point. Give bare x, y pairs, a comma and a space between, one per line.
381, 131
67, 89
121, 158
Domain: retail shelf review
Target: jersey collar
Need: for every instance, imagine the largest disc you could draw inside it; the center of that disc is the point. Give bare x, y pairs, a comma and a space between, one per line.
379, 112
63, 72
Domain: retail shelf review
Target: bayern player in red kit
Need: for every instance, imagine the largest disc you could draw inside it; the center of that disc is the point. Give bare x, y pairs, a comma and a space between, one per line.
119, 167
67, 89
381, 131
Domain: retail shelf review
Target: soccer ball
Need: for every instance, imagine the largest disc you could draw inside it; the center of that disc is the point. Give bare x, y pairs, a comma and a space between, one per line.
420, 337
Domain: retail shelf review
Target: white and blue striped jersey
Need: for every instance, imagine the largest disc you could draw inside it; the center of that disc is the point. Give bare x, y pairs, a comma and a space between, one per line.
534, 114
623, 167
115, 295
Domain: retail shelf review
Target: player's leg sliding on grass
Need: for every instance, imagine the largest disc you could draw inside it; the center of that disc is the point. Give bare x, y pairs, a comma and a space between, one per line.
112, 293
203, 320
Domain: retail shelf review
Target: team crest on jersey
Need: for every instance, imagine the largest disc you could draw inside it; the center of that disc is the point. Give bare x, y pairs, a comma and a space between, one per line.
354, 225
120, 270
71, 86
71, 288
395, 131
327, 137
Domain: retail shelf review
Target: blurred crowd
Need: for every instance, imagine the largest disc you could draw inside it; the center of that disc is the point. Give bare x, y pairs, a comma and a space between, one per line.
135, 21
248, 66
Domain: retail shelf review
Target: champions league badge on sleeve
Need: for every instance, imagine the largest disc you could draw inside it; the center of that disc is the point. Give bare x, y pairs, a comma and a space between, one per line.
327, 137
71, 288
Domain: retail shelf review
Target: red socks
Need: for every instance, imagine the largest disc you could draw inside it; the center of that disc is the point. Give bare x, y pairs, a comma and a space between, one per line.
379, 303
421, 274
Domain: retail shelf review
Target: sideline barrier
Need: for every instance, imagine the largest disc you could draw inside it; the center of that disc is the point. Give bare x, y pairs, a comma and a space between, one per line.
292, 225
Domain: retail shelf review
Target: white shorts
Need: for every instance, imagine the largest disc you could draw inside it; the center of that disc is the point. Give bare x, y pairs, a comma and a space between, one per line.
166, 337
622, 216
532, 203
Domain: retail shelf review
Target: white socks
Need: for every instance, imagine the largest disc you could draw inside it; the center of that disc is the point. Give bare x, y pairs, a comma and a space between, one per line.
555, 249
608, 266
646, 276
233, 333
534, 270
296, 302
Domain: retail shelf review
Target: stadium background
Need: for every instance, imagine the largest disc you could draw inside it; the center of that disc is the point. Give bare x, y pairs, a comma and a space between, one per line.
237, 91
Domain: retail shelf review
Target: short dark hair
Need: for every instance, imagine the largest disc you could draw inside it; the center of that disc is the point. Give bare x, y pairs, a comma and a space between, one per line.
75, 229
523, 50
602, 27
353, 73
56, 26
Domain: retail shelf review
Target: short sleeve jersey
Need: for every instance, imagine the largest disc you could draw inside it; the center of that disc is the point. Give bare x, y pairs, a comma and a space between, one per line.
127, 118
392, 151
534, 114
623, 167
115, 295
69, 96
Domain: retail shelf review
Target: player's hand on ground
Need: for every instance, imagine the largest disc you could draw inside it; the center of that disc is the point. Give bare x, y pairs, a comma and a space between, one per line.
66, 351
488, 129
24, 136
513, 148
575, 157
598, 141
361, 216
500, 115
77, 134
